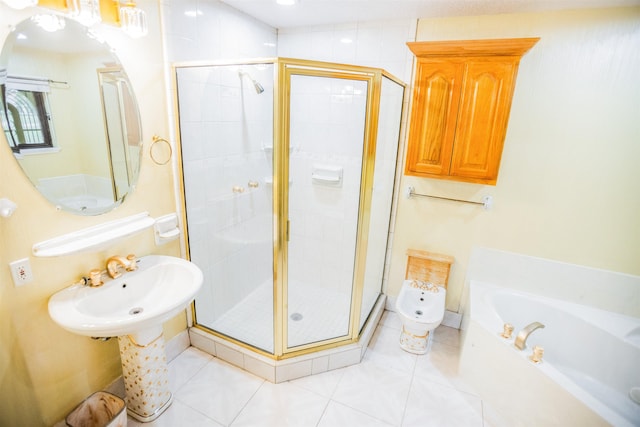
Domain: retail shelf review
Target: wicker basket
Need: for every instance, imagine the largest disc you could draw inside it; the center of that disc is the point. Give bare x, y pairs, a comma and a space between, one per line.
101, 409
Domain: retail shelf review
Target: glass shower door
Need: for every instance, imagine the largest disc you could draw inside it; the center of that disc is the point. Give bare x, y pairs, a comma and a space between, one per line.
226, 117
388, 135
326, 142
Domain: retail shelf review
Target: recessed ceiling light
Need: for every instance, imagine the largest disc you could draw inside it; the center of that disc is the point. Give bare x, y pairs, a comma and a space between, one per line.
286, 2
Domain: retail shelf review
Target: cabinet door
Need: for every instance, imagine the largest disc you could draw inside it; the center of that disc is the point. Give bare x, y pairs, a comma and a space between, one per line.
433, 118
485, 101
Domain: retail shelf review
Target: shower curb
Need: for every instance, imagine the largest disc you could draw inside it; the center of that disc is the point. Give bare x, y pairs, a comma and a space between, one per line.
277, 371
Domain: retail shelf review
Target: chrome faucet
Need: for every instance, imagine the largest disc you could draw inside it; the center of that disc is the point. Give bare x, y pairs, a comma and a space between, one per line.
521, 339
128, 263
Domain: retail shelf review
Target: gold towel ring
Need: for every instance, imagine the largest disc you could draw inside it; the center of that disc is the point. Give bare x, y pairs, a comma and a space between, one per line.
157, 139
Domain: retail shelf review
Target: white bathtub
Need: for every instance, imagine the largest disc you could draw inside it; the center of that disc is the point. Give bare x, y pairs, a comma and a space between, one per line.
591, 360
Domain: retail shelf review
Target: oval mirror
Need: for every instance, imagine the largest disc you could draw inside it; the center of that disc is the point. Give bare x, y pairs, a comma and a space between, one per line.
70, 117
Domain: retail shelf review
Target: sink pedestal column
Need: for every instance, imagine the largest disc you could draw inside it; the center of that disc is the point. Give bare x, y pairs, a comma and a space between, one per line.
145, 373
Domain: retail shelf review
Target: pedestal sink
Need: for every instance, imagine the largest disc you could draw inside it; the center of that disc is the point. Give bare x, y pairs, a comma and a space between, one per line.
133, 308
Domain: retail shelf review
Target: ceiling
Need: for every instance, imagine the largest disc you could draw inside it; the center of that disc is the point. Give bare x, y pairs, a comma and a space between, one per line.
324, 12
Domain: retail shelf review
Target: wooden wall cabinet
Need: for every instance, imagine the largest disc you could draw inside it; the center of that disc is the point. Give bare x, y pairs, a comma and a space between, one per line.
461, 101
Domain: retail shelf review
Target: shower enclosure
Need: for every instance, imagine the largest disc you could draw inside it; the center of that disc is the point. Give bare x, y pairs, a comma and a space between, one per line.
288, 170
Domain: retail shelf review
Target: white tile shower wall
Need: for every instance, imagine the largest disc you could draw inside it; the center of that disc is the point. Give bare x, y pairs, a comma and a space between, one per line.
211, 30
224, 125
382, 195
328, 129
374, 44
379, 44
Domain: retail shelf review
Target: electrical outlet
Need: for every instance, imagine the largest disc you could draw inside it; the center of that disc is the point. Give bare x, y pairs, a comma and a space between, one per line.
21, 272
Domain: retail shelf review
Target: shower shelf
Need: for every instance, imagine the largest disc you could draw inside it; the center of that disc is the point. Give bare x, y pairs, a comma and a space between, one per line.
326, 179
269, 149
327, 175
93, 238
269, 181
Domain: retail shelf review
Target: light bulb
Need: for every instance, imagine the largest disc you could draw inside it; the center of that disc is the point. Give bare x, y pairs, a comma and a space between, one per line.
133, 20
87, 12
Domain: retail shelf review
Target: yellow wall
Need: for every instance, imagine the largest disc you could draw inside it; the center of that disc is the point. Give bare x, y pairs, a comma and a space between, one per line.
569, 189
44, 370
569, 184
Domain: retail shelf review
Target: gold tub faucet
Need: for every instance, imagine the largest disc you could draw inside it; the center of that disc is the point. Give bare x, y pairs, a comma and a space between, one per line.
128, 263
521, 339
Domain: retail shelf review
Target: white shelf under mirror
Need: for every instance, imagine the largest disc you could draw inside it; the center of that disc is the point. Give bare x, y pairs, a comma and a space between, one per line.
93, 238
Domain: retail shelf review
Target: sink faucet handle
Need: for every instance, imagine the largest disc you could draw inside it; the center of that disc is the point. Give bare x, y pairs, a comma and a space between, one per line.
132, 262
507, 331
536, 356
95, 278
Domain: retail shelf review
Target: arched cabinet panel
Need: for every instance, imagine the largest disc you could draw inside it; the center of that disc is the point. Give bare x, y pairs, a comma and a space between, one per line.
461, 103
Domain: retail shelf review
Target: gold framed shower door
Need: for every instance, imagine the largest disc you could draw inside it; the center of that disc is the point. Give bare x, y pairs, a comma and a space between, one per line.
285, 68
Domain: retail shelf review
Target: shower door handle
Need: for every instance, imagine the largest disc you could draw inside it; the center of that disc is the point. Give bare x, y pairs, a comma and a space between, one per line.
288, 227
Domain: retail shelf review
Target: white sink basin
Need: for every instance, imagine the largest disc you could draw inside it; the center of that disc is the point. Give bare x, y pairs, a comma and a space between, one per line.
159, 289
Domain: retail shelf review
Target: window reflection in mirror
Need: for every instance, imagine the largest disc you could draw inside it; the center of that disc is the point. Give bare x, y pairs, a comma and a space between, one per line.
70, 117
27, 122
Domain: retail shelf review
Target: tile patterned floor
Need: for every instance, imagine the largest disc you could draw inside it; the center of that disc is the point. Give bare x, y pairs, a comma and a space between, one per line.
324, 314
389, 388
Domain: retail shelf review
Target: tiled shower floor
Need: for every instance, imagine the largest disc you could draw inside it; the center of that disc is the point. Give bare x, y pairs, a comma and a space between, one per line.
388, 388
320, 313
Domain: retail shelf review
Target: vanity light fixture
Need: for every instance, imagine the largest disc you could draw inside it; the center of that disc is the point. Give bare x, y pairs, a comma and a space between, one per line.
133, 20
87, 12
123, 13
49, 22
20, 4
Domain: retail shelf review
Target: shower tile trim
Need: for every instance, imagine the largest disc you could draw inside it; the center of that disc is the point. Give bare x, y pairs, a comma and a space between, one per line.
277, 371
